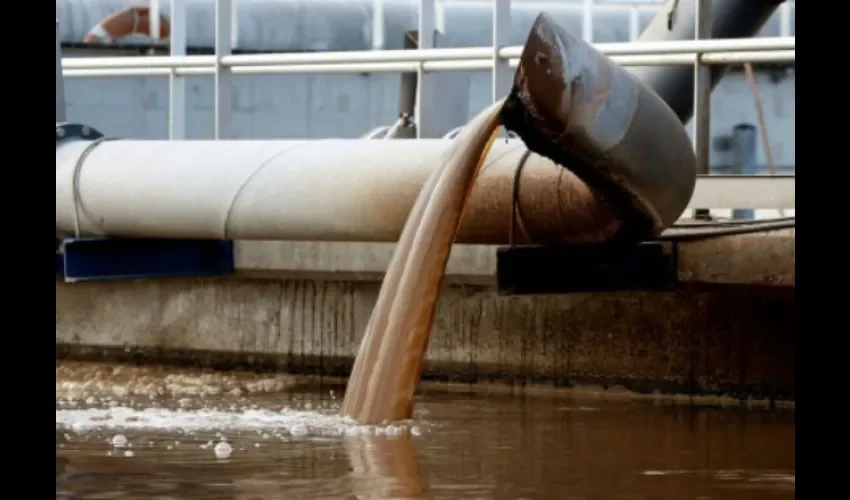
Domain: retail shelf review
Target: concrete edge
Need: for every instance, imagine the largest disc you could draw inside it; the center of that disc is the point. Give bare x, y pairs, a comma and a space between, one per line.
82, 354
765, 259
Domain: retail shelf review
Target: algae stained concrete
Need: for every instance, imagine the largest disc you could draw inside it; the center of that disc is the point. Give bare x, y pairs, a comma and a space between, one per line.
734, 343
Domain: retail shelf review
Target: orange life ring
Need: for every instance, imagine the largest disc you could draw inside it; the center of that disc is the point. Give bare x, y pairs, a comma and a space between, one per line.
125, 22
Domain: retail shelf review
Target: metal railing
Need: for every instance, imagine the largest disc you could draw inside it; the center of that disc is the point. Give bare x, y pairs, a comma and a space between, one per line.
498, 59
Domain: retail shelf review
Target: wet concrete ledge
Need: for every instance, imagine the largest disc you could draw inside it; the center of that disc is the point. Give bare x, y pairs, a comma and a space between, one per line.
302, 308
760, 259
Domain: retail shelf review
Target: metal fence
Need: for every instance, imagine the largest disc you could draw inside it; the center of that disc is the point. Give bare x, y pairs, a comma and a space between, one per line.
499, 59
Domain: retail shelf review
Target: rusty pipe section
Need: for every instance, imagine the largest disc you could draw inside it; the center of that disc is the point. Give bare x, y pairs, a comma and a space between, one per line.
572, 104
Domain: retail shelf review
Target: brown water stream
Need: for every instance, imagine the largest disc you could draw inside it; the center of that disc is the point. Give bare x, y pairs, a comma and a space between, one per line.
389, 362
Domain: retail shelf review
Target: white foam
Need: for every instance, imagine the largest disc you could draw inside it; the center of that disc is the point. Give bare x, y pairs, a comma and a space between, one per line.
222, 450
119, 441
296, 423
122, 417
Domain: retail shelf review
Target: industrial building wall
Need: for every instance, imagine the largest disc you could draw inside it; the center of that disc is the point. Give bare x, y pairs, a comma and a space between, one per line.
321, 106
317, 106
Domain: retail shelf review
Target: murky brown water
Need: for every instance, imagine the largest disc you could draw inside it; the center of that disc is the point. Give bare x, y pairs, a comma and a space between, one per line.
288, 442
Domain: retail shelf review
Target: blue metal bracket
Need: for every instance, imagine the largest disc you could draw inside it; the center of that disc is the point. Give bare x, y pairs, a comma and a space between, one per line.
100, 259
530, 270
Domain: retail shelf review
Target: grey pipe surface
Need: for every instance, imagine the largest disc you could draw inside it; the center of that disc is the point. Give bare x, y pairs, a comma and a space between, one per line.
327, 190
730, 19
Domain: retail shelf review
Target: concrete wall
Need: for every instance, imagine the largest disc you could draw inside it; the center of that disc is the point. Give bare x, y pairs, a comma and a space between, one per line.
739, 344
303, 306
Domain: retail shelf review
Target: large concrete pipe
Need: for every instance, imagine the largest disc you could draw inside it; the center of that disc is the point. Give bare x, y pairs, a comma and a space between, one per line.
334, 190
676, 20
331, 190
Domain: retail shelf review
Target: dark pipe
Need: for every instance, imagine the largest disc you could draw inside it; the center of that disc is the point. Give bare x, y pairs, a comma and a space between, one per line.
575, 106
677, 21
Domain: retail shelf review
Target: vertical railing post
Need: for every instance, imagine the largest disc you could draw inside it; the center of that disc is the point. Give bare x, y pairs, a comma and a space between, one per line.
60, 80
378, 42
502, 74
153, 19
743, 160
425, 124
439, 20
223, 105
634, 23
176, 83
785, 19
234, 25
702, 100
587, 21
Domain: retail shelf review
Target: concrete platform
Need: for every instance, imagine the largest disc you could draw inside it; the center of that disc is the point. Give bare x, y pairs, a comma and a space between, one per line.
755, 259
301, 307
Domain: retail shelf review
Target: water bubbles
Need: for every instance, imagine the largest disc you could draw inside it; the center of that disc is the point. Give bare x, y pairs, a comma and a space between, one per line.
222, 450
394, 430
352, 431
298, 430
415, 431
119, 441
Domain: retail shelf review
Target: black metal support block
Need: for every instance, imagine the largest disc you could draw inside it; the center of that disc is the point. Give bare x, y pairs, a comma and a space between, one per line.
92, 259
538, 270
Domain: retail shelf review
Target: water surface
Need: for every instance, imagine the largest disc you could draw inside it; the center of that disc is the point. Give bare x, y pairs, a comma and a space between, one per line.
126, 432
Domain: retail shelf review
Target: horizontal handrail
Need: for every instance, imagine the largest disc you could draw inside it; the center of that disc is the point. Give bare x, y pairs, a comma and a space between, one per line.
197, 69
454, 55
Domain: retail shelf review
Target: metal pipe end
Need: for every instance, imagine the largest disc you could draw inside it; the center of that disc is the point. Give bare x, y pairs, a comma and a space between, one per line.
560, 86
575, 106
